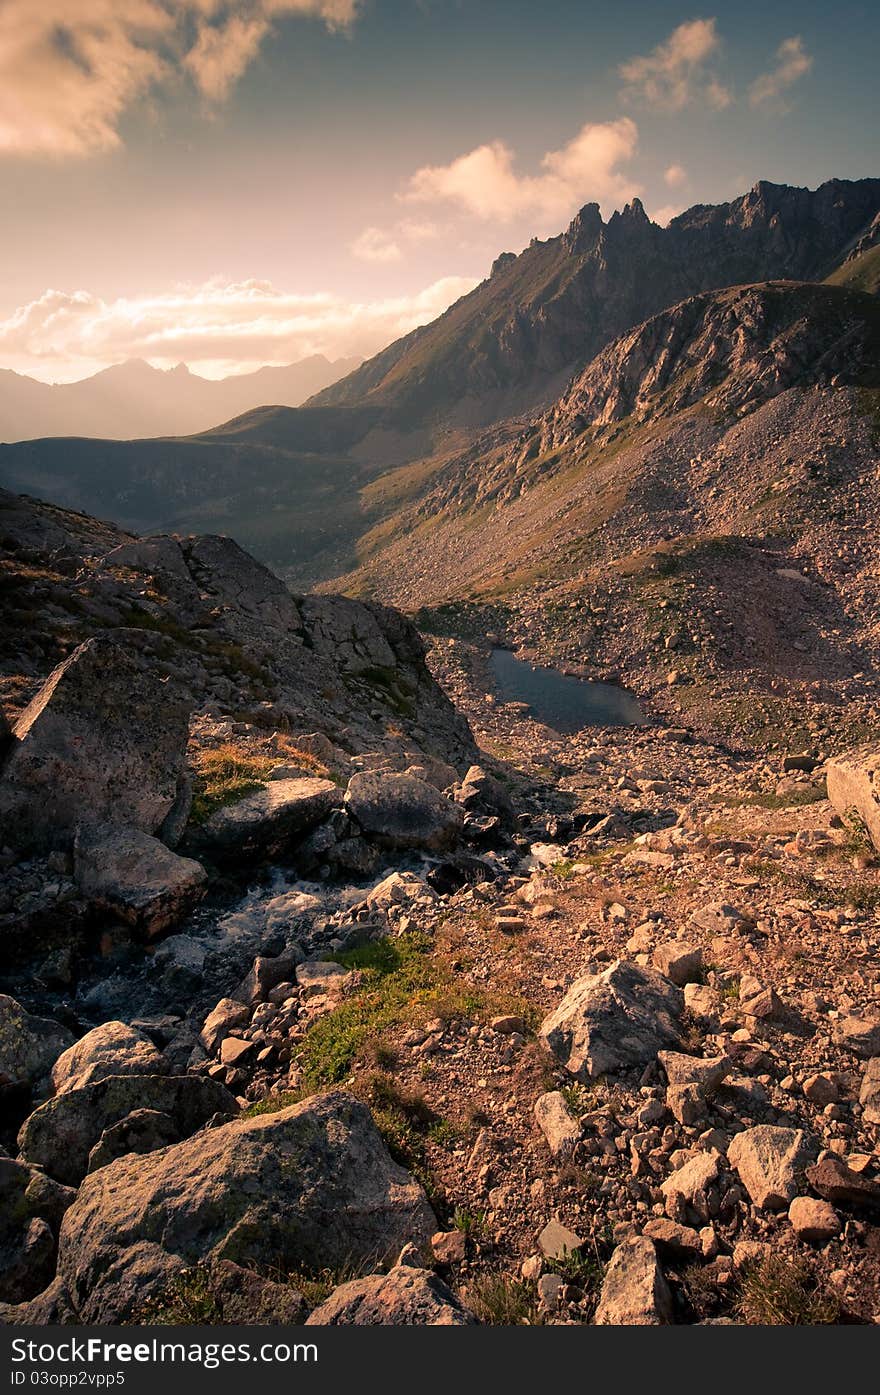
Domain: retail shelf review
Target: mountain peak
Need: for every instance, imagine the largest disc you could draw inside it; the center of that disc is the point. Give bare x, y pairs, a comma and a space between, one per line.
584, 229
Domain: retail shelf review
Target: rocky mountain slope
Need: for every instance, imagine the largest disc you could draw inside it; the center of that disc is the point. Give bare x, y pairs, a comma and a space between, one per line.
304, 489
132, 399
303, 1023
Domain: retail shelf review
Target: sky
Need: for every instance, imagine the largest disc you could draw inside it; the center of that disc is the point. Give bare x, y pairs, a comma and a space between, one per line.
230, 183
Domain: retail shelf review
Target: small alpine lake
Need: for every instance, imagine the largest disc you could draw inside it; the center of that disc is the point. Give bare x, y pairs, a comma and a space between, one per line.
562, 701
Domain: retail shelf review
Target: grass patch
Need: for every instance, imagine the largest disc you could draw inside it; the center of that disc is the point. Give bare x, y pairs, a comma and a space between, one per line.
222, 776
403, 980
188, 1301
812, 794
500, 1301
780, 1292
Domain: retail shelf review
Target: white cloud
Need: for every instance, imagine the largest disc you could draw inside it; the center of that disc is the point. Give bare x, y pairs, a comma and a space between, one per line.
374, 245
485, 184
675, 176
219, 327
675, 73
70, 69
792, 62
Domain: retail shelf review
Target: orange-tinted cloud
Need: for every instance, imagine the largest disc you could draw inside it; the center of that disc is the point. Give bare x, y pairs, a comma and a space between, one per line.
69, 69
218, 327
675, 74
486, 184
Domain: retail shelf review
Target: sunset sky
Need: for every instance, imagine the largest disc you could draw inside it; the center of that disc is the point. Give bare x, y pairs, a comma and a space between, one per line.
238, 182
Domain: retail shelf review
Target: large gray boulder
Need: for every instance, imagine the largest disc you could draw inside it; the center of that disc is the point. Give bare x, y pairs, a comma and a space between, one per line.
269, 820
104, 740
29, 1046
136, 877
403, 811
312, 1187
60, 1135
854, 784
114, 1048
613, 1020
404, 1297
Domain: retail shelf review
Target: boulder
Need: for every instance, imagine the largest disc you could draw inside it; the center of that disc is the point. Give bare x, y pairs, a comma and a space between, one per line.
268, 821
141, 1131
557, 1123
836, 1182
223, 1018
813, 1220
869, 1092
31, 1208
404, 1297
680, 962
402, 811
60, 1135
400, 889
614, 1020
858, 1035
29, 1046
854, 784
103, 740
111, 1049
136, 877
480, 793
51, 1308
771, 1163
634, 1291
311, 1187
686, 1191
707, 1072
266, 973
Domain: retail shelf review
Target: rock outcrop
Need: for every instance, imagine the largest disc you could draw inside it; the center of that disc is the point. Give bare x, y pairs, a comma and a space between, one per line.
103, 740
854, 787
29, 1046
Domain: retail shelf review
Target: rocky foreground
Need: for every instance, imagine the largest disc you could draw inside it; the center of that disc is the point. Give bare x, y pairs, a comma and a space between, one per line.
321, 1005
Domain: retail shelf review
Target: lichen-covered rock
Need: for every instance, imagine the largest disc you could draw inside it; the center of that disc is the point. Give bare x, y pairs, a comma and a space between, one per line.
61, 1134
269, 820
51, 1308
634, 1291
404, 1297
312, 1186
29, 1046
134, 875
402, 811
771, 1162
557, 1123
103, 740
114, 1048
854, 784
609, 1021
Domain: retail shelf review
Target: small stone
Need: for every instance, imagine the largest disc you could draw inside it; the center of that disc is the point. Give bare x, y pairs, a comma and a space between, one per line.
682, 963
634, 1291
869, 1092
448, 1246
556, 1122
821, 1090
550, 1288
234, 1050
770, 1162
556, 1240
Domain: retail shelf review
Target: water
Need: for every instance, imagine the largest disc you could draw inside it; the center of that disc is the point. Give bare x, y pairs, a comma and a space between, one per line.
564, 703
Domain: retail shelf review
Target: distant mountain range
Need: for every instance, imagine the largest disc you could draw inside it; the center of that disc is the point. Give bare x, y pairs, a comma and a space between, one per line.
133, 399
468, 408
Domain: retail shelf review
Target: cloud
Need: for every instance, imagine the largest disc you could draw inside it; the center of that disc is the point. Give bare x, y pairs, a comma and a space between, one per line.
675, 73
663, 215
374, 245
70, 69
675, 176
792, 62
485, 184
218, 327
